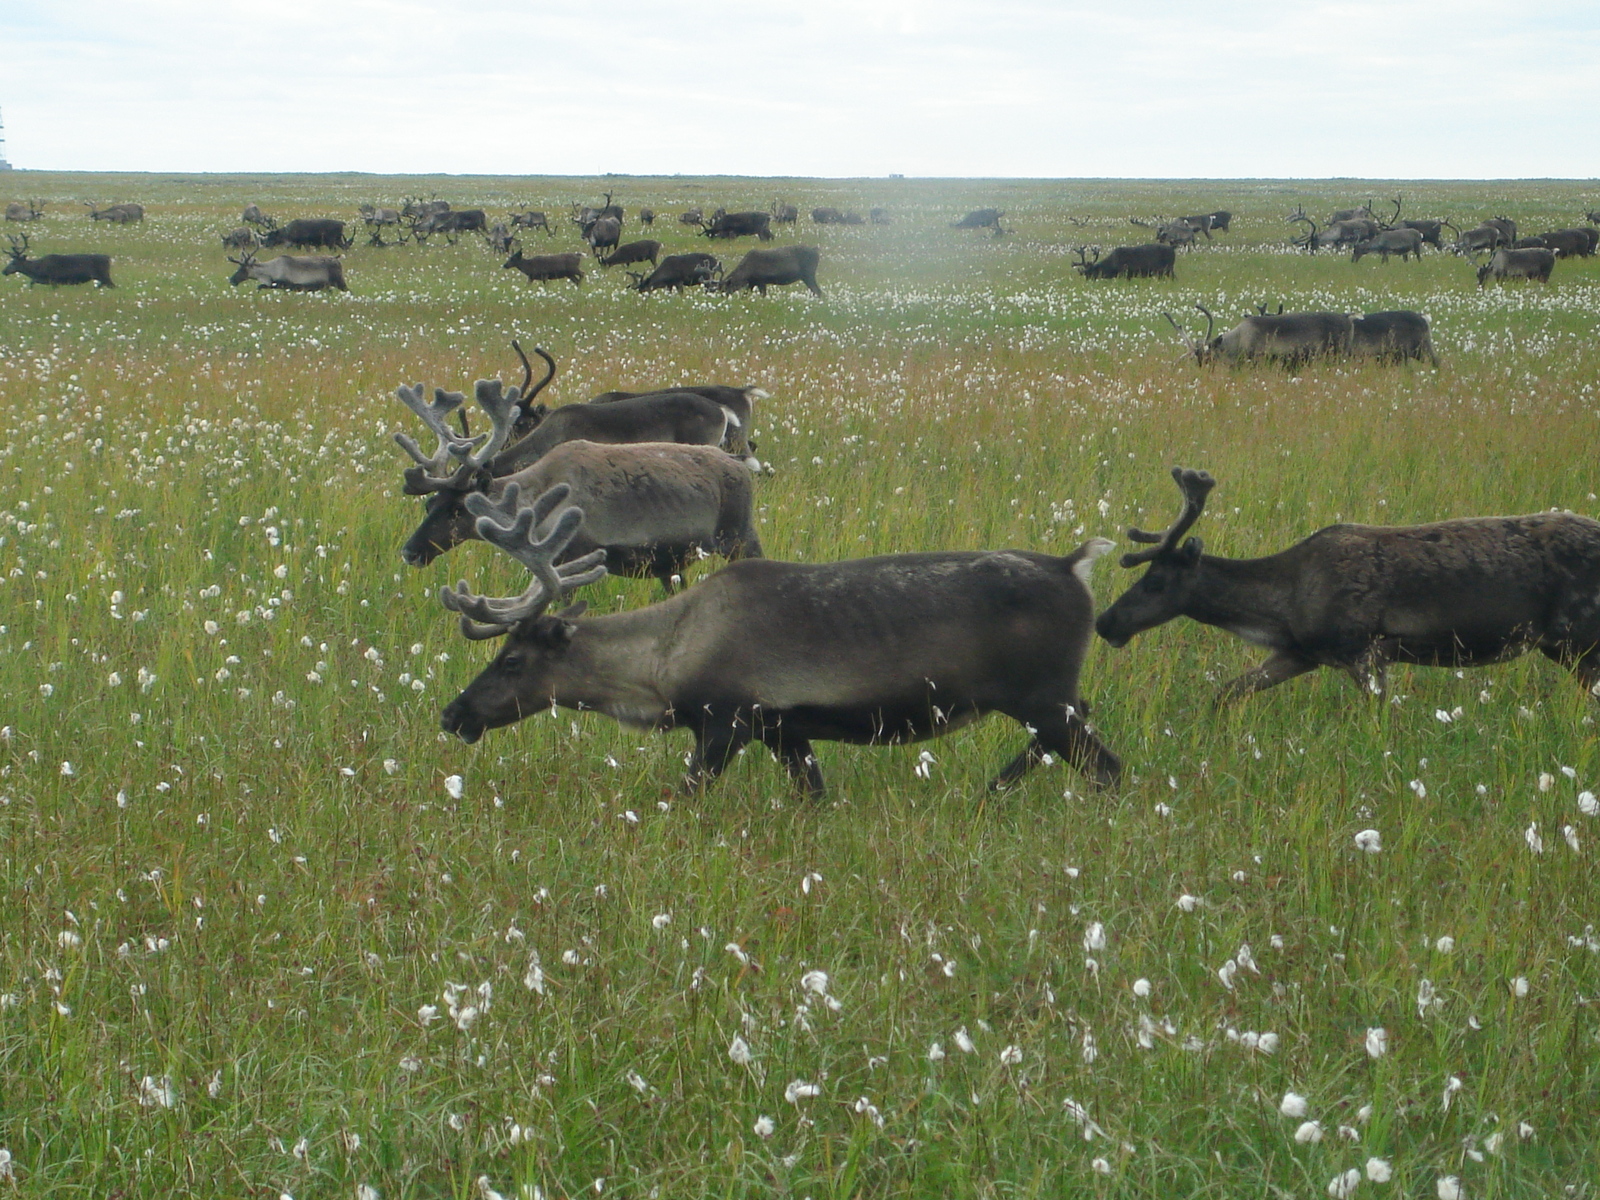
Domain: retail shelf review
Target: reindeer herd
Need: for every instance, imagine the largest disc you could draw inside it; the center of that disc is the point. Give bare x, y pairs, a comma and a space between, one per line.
906, 647
901, 647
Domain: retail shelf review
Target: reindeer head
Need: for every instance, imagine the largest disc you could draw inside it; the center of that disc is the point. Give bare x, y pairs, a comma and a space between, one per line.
447, 520
19, 253
1162, 593
1204, 349
518, 682
244, 264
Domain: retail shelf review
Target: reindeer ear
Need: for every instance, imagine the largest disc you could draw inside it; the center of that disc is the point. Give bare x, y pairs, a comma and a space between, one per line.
573, 611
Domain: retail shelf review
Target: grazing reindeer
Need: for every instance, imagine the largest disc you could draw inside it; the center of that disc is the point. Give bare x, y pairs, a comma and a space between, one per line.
1291, 338
1460, 593
876, 650
978, 218
1531, 263
117, 214
58, 268
32, 210
532, 219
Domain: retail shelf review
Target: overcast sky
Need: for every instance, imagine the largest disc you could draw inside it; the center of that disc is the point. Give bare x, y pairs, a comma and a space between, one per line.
1205, 88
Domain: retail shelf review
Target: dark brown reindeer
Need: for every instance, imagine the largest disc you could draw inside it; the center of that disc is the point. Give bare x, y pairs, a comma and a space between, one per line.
1462, 593
57, 269
895, 649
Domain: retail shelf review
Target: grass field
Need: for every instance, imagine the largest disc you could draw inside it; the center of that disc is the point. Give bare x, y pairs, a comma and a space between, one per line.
264, 930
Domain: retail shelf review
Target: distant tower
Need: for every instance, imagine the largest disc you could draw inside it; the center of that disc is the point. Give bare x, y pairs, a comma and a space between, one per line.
4, 165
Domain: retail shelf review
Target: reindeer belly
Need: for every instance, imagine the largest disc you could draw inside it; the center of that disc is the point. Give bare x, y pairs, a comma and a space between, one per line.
874, 725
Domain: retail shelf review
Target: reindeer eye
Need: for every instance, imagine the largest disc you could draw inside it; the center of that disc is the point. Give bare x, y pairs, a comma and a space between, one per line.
511, 663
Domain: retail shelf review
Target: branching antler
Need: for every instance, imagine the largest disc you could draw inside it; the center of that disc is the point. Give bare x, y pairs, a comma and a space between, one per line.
485, 617
1195, 486
433, 416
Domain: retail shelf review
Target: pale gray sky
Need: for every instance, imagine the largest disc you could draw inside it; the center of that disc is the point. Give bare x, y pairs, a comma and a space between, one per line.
1205, 88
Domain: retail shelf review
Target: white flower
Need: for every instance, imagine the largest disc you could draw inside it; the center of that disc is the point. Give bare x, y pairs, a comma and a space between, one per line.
428, 1014
1377, 1042
68, 770
1420, 788
661, 920
1445, 945
1379, 1171
68, 940
1524, 1131
8, 1173
1094, 938
466, 1017
936, 1053
764, 1127
815, 981
365, 1191
963, 1041
214, 1088
1369, 840
799, 1090
452, 787
1011, 1056
1546, 781
1226, 973
1531, 836
1267, 1043
410, 1064
1141, 988
1449, 1188
1426, 997
1452, 1085
1293, 1105
1090, 1051
1308, 1133
157, 1093
1587, 804
739, 1051
1188, 903
1100, 1166
1342, 1187
1571, 834
1520, 986
637, 1082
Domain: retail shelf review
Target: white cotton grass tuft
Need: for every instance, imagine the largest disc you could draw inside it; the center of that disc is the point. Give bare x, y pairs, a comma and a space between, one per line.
453, 787
1094, 938
1377, 1042
1342, 1187
1309, 1133
1369, 841
764, 1127
1379, 1170
1449, 1188
739, 1051
1293, 1105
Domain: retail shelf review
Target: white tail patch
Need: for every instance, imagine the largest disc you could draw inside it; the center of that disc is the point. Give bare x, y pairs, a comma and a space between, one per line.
1091, 550
733, 418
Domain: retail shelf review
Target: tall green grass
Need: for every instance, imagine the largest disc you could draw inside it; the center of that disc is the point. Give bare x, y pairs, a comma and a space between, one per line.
254, 875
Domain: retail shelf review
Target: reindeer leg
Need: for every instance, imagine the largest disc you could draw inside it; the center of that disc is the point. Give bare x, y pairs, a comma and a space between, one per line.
799, 760
714, 746
1280, 667
1062, 731
1371, 669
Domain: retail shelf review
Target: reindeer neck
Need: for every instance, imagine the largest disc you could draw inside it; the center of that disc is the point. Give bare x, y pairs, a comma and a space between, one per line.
613, 666
1249, 597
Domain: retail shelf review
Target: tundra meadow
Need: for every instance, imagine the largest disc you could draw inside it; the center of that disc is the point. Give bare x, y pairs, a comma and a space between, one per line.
264, 931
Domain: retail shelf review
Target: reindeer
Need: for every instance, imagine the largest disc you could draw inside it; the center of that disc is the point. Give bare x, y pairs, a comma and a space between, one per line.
1461, 593
31, 210
1132, 262
532, 219
54, 269
117, 214
1290, 338
878, 650
653, 508
1179, 232
500, 238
